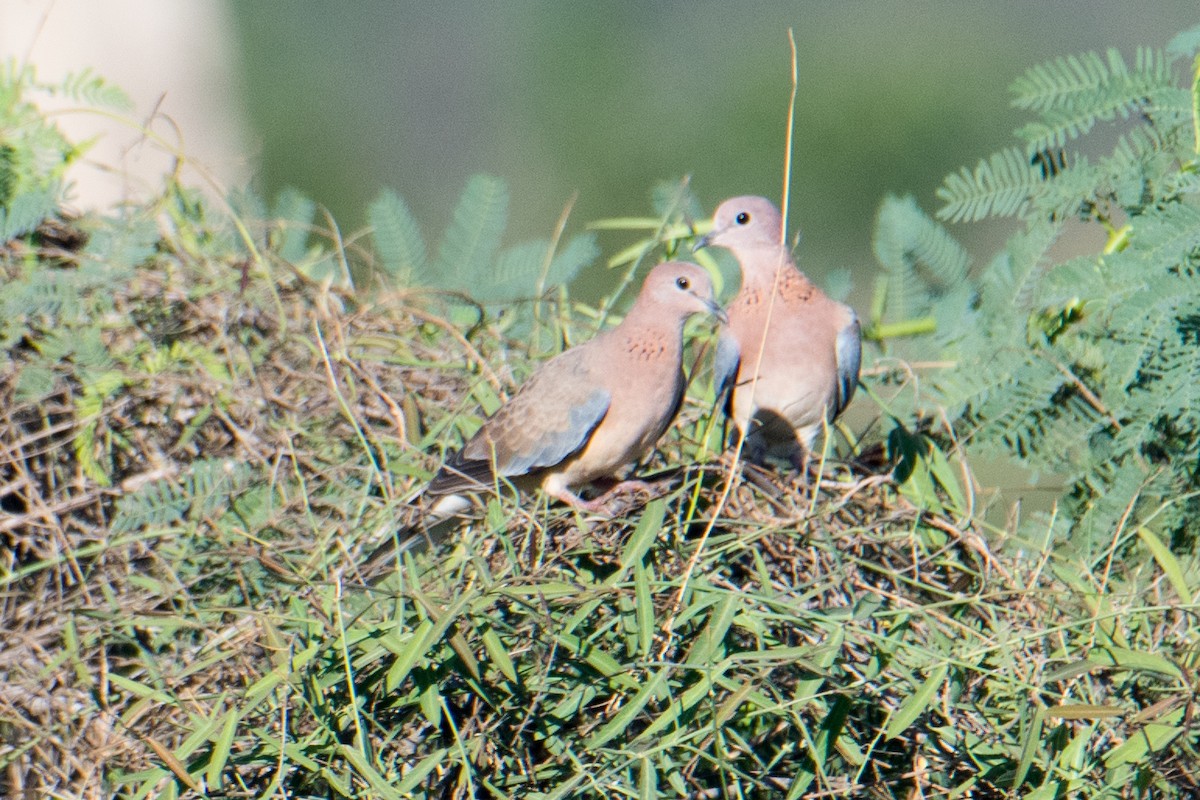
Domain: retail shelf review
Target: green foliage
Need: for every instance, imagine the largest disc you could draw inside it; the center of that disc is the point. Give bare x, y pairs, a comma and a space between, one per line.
293, 215
26, 210
924, 474
34, 155
922, 262
92, 91
208, 488
1072, 96
471, 240
998, 186
470, 260
201, 435
1080, 367
398, 240
677, 220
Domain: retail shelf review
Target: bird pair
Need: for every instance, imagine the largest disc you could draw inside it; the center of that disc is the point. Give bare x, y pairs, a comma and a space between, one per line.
787, 363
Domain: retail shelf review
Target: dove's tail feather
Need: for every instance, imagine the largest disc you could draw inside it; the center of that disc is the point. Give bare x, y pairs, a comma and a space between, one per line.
425, 532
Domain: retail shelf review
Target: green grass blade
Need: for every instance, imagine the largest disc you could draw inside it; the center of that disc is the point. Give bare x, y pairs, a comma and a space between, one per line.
648, 780
379, 784
498, 653
1134, 660
643, 609
628, 712
917, 703
1030, 747
417, 647
644, 534
1168, 563
221, 749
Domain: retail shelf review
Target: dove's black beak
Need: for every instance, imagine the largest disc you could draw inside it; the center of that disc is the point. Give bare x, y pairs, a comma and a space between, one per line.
703, 241
716, 310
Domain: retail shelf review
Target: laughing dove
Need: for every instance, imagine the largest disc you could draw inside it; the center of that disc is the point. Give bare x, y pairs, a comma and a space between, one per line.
591, 411
804, 347
582, 417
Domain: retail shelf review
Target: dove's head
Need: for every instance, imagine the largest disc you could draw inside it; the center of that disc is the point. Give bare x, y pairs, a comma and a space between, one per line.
679, 289
745, 222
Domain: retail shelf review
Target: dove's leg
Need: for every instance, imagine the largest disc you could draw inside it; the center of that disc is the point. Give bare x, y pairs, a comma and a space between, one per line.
600, 504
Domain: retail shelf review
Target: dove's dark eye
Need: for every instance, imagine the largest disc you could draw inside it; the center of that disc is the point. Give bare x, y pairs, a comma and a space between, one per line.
742, 218
683, 283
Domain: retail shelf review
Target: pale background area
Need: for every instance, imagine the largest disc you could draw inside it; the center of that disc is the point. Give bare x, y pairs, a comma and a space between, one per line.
176, 60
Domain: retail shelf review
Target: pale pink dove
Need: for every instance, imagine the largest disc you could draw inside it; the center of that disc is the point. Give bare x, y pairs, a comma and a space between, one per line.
584, 416
595, 409
804, 347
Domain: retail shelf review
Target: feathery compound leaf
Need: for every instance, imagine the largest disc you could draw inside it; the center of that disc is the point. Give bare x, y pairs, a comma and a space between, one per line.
999, 186
1075, 110
292, 215
516, 272
1184, 45
519, 270
1087, 368
1141, 155
26, 212
397, 238
578, 253
465, 254
90, 89
922, 260
1015, 417
1012, 277
156, 504
209, 486
1168, 235
1060, 82
1140, 327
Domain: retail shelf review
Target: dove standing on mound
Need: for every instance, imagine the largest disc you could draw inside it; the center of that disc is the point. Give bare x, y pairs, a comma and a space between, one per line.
804, 347
584, 416
591, 411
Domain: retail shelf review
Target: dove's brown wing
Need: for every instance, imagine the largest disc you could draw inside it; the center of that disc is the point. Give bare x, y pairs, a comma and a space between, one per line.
550, 418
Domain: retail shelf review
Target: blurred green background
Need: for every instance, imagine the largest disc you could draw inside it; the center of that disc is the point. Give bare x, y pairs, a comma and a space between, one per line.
606, 98
597, 101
